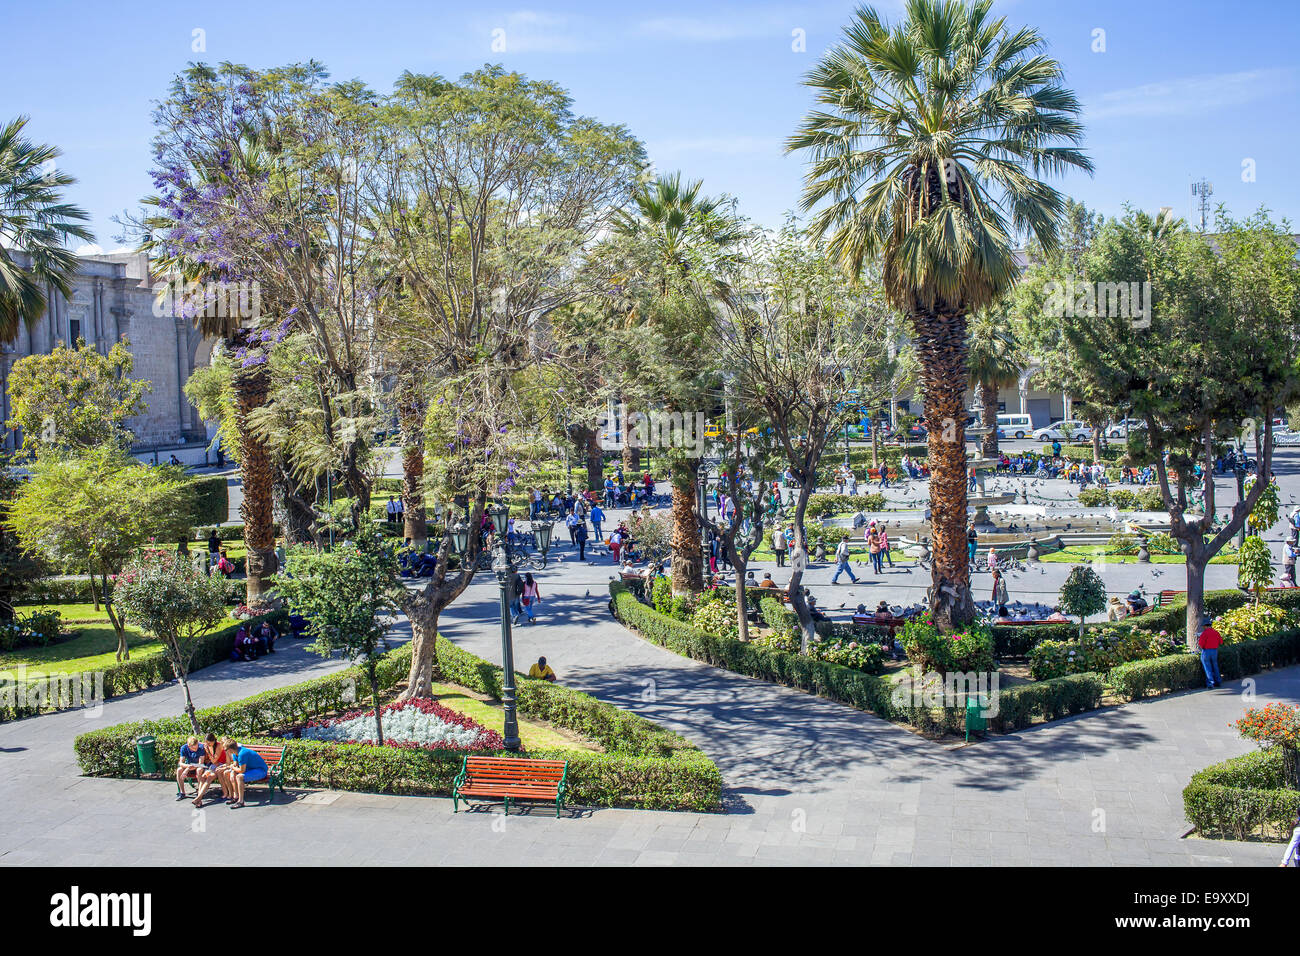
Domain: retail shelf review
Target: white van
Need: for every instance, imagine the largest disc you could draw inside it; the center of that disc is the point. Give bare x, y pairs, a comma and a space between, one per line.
1015, 425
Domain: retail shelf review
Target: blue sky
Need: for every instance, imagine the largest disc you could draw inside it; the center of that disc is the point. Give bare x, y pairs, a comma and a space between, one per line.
1181, 90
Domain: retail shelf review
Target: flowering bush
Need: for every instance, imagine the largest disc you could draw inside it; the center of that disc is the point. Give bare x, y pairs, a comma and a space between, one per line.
1276, 725
970, 650
718, 617
38, 629
421, 723
1251, 622
1098, 650
782, 640
860, 655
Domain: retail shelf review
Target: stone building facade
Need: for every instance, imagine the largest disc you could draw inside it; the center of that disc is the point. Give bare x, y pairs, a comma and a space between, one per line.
111, 299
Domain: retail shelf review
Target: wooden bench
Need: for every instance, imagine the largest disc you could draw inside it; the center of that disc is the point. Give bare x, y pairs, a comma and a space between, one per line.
510, 778
274, 757
1165, 597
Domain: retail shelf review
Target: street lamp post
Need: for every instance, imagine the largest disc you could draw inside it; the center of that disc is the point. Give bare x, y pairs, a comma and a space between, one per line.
542, 538
505, 572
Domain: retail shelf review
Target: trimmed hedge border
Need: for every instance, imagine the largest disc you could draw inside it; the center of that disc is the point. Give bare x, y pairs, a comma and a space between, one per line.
1242, 797
1163, 675
61, 691
1018, 706
644, 765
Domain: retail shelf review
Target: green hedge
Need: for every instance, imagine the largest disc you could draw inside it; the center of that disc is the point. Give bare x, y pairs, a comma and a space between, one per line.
118, 679
643, 765
1018, 706
1183, 671
211, 502
1242, 797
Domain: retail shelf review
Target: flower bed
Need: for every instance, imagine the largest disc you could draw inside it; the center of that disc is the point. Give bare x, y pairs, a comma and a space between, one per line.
420, 723
1099, 650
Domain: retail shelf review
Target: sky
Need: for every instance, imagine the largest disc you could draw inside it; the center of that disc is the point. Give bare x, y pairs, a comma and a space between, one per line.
1172, 92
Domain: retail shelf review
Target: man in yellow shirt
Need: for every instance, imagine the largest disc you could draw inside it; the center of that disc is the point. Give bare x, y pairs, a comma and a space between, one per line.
542, 670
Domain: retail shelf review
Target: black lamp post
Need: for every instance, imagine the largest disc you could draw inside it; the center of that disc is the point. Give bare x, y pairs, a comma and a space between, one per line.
505, 572
542, 538
459, 537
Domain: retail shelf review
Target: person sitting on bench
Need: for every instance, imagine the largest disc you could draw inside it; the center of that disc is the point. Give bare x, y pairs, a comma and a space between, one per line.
213, 768
1136, 602
266, 635
188, 766
542, 670
246, 766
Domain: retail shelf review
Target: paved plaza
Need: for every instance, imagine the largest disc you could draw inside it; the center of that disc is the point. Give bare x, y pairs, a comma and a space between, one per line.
807, 780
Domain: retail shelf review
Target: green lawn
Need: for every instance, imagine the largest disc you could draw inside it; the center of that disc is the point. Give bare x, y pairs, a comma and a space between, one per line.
92, 646
492, 716
1077, 554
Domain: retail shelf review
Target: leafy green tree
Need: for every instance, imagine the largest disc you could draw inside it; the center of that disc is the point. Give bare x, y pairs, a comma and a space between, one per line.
75, 398
1215, 360
1083, 593
348, 596
92, 513
36, 221
926, 151
166, 595
1254, 566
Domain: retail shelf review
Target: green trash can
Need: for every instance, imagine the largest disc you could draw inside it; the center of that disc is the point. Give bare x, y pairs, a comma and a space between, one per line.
974, 716
146, 754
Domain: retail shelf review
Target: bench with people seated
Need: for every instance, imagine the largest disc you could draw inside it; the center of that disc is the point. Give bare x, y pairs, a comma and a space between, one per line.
510, 778
274, 757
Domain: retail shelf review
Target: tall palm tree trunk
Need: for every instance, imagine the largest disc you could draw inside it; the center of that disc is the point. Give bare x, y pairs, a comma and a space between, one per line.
941, 348
687, 572
413, 408
251, 389
989, 418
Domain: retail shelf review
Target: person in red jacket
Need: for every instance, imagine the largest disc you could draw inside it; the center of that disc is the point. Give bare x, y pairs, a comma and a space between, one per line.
1209, 642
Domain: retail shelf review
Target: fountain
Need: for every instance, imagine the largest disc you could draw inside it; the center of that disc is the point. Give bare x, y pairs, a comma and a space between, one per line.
981, 500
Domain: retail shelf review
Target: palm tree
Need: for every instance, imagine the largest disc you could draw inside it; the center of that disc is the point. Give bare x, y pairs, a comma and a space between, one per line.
684, 234
930, 136
252, 382
33, 220
994, 359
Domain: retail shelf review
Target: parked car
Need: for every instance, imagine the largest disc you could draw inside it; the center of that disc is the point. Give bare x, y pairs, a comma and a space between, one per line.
1117, 429
916, 432
1014, 425
1064, 431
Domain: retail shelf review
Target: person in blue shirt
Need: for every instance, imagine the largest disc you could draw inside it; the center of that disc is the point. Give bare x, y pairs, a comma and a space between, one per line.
247, 766
188, 766
597, 516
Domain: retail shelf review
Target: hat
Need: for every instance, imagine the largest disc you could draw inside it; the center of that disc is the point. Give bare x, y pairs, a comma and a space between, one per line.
1205, 620
1135, 593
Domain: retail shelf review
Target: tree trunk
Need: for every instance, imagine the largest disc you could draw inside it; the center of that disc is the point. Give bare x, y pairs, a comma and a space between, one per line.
807, 631
174, 651
941, 349
251, 389
989, 419
595, 462
1197, 559
424, 650
411, 410
374, 697
742, 618
114, 617
687, 572
1096, 443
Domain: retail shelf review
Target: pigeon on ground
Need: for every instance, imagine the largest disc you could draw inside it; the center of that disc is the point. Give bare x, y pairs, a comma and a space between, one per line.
587, 593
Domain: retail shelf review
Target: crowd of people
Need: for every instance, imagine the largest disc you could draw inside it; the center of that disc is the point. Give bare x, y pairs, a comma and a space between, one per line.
223, 762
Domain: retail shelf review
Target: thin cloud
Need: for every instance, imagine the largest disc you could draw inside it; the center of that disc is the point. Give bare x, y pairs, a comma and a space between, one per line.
1193, 95
528, 31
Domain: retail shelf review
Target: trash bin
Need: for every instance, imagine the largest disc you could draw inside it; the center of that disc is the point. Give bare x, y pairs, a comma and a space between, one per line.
974, 716
146, 754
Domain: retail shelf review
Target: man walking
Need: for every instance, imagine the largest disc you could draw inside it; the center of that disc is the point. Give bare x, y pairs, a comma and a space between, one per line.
580, 538
1209, 641
779, 546
842, 563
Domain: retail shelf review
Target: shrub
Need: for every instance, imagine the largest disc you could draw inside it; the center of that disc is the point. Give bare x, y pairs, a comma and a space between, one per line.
1276, 727
1099, 650
1183, 671
826, 505
1094, 497
717, 617
864, 656
1242, 797
962, 651
1149, 499
1251, 622
211, 503
1122, 543
1083, 593
1123, 499
1254, 565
